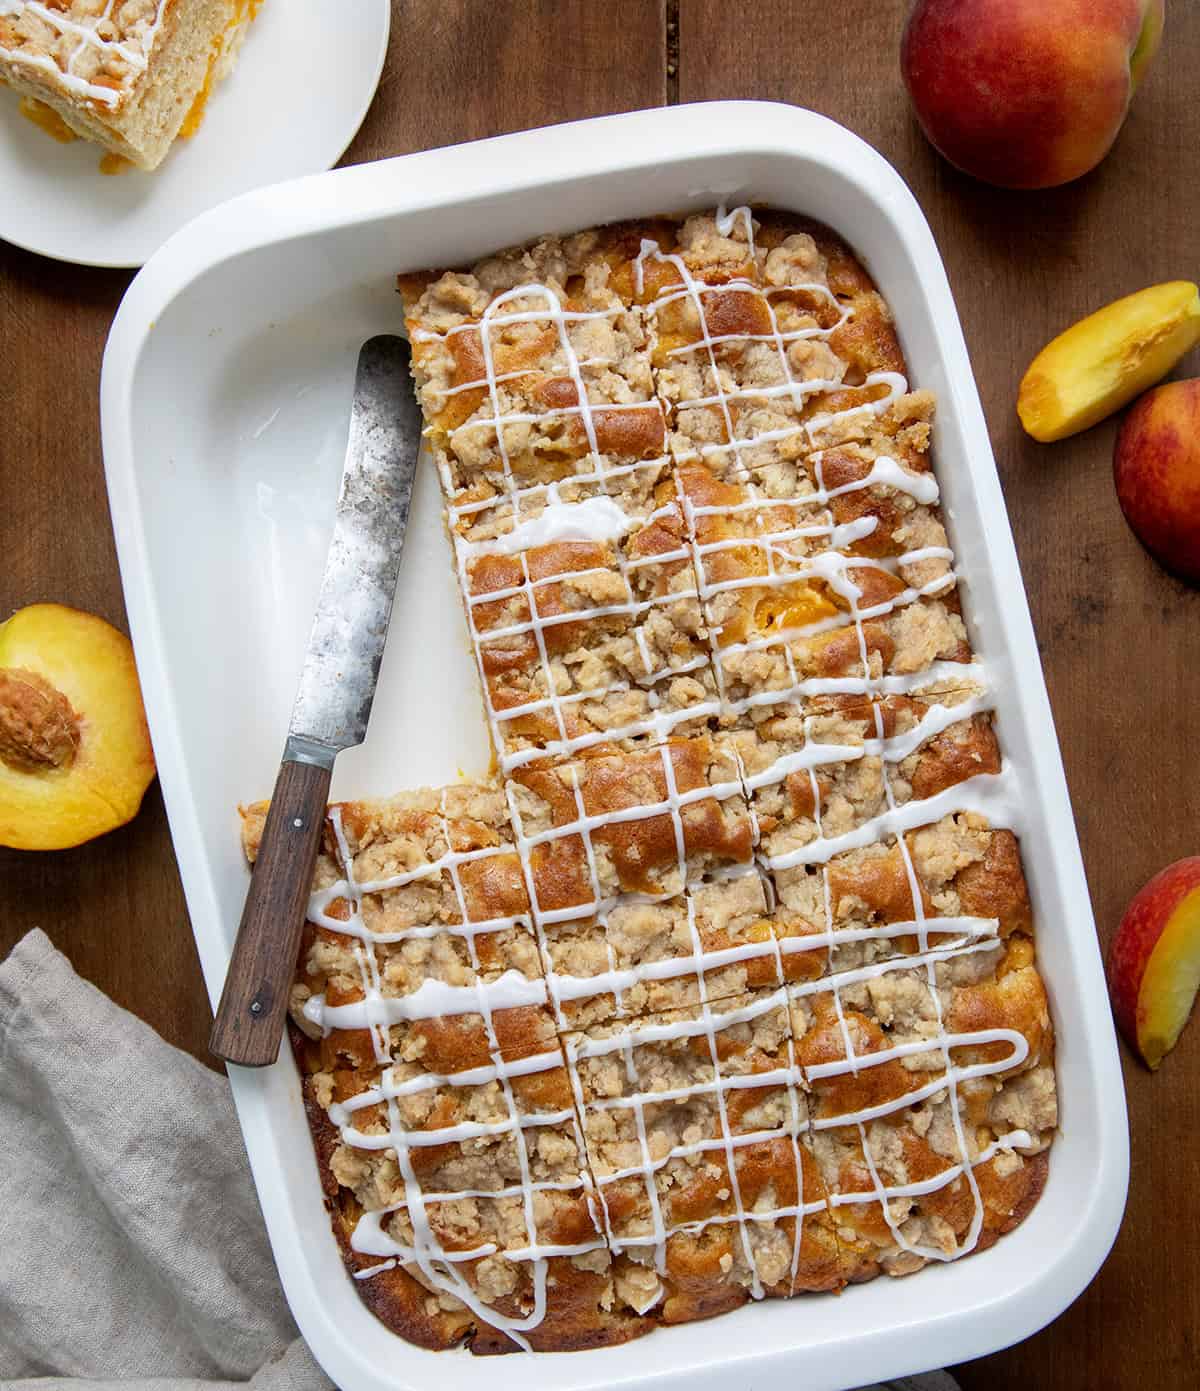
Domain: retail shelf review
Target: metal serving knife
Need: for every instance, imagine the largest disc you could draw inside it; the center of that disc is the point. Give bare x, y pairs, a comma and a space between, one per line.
333, 703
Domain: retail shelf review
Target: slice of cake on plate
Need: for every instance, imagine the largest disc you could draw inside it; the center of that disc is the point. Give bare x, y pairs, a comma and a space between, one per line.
131, 75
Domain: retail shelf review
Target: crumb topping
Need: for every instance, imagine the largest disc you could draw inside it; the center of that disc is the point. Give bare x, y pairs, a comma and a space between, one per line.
727, 988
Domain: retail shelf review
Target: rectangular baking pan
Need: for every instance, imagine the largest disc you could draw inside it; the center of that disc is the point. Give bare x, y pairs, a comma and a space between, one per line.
225, 399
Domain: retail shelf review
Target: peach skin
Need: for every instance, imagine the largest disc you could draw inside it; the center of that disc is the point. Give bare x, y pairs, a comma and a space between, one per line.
1099, 364
1026, 93
75, 755
1154, 961
1156, 470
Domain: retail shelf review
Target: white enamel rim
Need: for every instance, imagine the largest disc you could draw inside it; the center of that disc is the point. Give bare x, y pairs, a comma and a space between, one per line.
641, 144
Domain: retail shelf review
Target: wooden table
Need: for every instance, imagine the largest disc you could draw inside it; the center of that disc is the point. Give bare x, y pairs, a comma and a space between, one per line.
1119, 638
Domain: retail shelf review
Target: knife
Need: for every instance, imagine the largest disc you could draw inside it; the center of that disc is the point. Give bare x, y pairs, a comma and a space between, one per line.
333, 702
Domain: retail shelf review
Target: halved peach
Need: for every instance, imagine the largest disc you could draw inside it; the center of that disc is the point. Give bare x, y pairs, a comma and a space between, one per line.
1154, 961
1105, 360
75, 755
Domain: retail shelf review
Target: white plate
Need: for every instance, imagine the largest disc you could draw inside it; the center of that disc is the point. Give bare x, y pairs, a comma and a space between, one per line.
225, 399
302, 85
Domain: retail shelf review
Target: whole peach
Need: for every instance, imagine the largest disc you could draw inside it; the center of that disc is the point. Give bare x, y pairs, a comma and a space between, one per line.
1026, 93
1156, 469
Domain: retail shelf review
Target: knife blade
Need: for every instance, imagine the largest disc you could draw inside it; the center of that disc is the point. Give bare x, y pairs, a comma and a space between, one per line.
333, 702
345, 648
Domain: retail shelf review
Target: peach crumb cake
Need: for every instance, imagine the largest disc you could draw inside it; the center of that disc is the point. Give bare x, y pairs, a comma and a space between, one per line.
724, 988
131, 75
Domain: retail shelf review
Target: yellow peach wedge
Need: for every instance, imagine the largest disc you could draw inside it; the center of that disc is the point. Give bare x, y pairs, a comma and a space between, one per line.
75, 755
1154, 961
1105, 360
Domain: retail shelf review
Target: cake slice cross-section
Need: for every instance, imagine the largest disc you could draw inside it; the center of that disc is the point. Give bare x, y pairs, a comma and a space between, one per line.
131, 75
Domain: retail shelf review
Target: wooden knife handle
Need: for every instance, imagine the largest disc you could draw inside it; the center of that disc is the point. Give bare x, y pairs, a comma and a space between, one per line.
249, 1022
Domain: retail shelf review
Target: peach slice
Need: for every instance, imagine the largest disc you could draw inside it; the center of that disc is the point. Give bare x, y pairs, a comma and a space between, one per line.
75, 755
1154, 961
1105, 360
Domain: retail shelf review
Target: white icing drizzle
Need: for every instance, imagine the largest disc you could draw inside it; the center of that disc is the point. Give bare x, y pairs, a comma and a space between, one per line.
990, 794
797, 391
433, 998
512, 990
601, 519
726, 219
593, 519
774, 544
811, 548
135, 53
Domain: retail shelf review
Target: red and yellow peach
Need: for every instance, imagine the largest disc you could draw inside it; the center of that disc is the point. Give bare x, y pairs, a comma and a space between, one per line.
1026, 93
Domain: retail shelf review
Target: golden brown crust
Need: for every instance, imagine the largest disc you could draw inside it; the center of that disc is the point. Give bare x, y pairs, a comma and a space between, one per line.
867, 1247
393, 1296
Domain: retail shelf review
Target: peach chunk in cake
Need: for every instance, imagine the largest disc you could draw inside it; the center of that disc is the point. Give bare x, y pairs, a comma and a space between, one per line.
875, 631
694, 1122
844, 580
762, 557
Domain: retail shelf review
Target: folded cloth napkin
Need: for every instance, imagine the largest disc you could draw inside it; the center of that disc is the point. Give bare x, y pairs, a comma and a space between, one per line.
132, 1251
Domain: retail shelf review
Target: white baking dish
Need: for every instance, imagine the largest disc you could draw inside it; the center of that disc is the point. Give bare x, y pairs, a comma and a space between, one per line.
225, 398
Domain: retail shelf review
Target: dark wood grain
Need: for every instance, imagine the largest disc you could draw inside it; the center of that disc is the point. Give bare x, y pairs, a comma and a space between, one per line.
249, 1023
466, 69
1120, 639
115, 906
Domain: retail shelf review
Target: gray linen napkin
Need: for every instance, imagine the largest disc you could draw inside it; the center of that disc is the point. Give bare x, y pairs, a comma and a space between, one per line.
132, 1251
